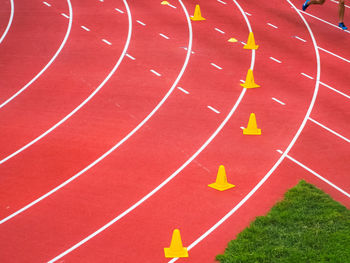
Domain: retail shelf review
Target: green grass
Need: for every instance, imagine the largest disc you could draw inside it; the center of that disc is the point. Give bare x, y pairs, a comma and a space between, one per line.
307, 226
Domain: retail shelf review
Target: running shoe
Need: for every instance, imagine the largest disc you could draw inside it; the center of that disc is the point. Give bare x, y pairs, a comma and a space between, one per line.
342, 26
305, 5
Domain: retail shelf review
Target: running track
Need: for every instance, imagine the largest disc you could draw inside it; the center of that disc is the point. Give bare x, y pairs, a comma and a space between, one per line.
148, 130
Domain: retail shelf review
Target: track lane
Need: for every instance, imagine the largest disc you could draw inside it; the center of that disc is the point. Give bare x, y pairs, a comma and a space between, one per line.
22, 58
34, 114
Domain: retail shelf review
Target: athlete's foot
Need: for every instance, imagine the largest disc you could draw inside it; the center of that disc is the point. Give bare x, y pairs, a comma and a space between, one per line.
306, 5
342, 26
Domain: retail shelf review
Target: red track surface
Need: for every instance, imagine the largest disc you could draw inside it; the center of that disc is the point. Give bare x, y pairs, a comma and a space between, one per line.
174, 134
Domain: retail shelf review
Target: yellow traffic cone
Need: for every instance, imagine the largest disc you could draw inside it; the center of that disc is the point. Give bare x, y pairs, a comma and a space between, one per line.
176, 250
251, 42
197, 14
221, 183
164, 3
252, 128
232, 40
249, 81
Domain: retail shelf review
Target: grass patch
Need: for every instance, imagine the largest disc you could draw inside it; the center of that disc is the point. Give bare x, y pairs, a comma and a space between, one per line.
307, 226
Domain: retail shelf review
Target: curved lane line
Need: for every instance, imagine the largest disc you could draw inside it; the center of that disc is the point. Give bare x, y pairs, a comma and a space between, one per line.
155, 190
126, 137
208, 232
10, 21
50, 62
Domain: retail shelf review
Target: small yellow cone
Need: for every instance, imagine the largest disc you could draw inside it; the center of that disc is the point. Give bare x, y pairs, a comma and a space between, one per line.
252, 128
251, 42
176, 250
221, 183
249, 81
164, 3
232, 40
197, 14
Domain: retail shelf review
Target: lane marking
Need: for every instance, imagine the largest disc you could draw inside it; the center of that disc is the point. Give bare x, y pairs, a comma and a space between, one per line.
172, 6
46, 3
219, 30
338, 3
51, 60
120, 11
214, 65
222, 220
280, 102
301, 39
162, 35
129, 135
214, 110
222, 2
184, 91
316, 174
107, 42
66, 16
155, 72
346, 60
276, 60
324, 21
85, 28
9, 23
306, 75
141, 23
248, 14
272, 25
242, 127
341, 93
330, 130
242, 81
131, 57
185, 48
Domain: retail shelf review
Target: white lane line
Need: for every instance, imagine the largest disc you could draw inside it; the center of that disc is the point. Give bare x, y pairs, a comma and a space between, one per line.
278, 101
276, 60
242, 127
107, 42
51, 60
162, 35
9, 23
172, 6
324, 21
219, 30
140, 22
272, 25
85, 28
346, 60
222, 2
316, 174
242, 81
306, 75
248, 14
185, 48
213, 109
131, 57
341, 93
183, 90
155, 72
66, 16
338, 3
301, 39
214, 65
330, 130
129, 135
46, 3
252, 192
120, 11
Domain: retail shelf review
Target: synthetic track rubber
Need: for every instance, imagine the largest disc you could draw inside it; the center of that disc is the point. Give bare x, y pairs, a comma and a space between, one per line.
34, 25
